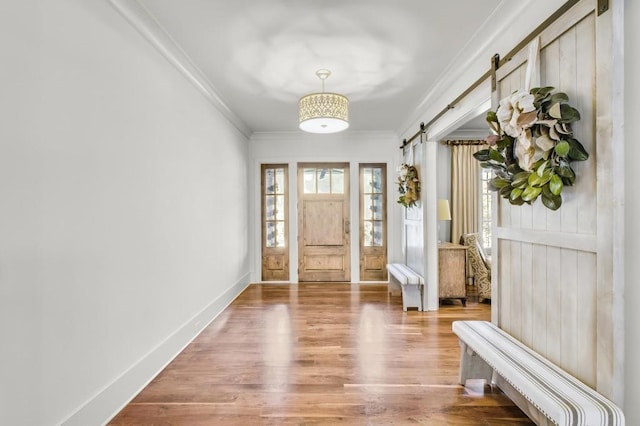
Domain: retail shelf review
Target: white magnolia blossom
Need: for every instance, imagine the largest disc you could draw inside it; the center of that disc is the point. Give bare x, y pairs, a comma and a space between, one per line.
403, 170
517, 113
529, 150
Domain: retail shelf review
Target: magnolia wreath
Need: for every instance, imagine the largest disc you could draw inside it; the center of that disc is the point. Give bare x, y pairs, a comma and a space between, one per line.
532, 147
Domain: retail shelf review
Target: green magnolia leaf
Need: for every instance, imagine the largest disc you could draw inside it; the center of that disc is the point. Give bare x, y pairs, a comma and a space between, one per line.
541, 91
505, 142
492, 117
546, 191
517, 201
569, 181
520, 180
492, 165
559, 97
514, 168
538, 181
555, 185
482, 155
515, 193
502, 174
506, 191
497, 183
577, 151
562, 148
541, 167
569, 114
565, 170
553, 202
530, 193
496, 156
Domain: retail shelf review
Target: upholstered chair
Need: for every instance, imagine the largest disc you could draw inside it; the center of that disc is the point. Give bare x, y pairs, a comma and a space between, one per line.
479, 267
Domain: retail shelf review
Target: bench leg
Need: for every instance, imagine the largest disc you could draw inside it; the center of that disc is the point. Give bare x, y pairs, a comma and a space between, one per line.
472, 366
411, 297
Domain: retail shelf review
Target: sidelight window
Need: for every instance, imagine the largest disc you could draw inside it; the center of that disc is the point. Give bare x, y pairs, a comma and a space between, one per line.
275, 227
373, 222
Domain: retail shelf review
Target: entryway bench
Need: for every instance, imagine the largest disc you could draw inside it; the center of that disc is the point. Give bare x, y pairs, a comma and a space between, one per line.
411, 283
545, 392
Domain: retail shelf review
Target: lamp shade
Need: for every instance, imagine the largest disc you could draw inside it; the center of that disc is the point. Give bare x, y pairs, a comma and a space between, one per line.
444, 212
323, 112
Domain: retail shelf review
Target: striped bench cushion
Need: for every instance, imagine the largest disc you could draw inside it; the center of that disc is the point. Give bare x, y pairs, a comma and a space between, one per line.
404, 274
555, 393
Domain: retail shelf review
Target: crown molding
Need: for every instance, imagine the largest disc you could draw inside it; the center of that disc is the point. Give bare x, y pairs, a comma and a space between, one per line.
347, 136
474, 51
509, 22
142, 20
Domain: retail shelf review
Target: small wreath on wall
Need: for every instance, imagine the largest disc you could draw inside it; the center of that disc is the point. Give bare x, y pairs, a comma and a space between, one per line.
408, 185
532, 147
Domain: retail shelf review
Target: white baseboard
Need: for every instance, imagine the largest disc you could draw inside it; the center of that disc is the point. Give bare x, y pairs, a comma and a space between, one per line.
108, 402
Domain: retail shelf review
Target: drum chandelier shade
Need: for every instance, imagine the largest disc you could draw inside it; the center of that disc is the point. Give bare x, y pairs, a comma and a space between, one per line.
323, 112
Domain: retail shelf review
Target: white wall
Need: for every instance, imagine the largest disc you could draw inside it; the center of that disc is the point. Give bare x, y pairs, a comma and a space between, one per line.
351, 147
632, 211
123, 217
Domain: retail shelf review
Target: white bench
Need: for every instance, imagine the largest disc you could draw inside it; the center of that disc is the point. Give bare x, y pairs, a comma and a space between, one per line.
410, 282
545, 392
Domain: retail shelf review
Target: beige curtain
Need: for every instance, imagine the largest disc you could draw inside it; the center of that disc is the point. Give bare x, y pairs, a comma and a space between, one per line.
465, 190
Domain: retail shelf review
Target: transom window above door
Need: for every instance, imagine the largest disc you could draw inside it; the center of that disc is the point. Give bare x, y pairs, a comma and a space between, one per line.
323, 180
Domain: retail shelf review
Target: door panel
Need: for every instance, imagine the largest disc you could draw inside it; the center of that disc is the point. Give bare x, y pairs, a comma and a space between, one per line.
323, 223
374, 263
323, 212
324, 261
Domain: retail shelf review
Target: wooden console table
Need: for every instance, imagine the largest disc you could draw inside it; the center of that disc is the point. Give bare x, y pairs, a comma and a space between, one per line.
452, 272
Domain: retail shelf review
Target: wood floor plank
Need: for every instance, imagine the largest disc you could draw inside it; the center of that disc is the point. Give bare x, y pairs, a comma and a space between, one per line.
322, 354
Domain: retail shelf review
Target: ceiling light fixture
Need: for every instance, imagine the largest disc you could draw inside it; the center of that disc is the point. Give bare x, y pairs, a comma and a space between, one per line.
323, 112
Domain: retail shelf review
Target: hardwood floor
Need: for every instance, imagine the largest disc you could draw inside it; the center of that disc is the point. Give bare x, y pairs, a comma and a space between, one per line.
322, 354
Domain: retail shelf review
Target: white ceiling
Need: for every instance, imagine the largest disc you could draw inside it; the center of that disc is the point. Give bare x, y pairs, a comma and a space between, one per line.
261, 56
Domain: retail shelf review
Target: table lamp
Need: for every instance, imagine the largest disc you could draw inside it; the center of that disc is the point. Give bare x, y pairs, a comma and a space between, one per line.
444, 213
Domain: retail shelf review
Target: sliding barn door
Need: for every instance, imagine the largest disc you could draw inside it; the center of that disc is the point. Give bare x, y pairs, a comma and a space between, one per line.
554, 278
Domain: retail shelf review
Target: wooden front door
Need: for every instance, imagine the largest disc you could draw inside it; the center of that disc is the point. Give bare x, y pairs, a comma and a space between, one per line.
323, 215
